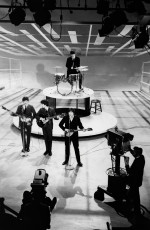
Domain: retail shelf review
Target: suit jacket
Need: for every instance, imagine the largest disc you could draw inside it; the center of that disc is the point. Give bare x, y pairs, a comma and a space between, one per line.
29, 112
65, 123
136, 171
35, 216
44, 113
72, 63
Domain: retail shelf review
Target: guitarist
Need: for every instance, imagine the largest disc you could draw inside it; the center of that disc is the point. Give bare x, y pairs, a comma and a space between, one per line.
26, 113
46, 114
71, 122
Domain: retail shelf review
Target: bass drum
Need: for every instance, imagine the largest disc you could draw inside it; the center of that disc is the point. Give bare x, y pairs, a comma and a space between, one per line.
64, 88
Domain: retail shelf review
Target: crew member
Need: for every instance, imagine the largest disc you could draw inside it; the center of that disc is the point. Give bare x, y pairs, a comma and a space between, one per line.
135, 178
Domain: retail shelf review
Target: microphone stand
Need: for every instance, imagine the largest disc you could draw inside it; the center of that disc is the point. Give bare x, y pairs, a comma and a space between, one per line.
23, 136
69, 166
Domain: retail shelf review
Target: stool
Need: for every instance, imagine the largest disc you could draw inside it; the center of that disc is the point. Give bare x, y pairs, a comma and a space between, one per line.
96, 104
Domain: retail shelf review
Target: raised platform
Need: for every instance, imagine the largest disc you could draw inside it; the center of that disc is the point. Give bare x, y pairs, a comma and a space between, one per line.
99, 122
61, 97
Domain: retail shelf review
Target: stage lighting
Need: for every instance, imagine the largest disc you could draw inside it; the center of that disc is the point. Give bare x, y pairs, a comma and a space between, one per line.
42, 17
118, 17
135, 6
17, 16
102, 7
34, 5
107, 27
141, 39
110, 22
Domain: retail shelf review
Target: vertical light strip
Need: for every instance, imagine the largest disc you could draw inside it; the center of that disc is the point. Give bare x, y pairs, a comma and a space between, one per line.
43, 35
88, 40
17, 44
99, 40
109, 49
73, 36
125, 30
67, 48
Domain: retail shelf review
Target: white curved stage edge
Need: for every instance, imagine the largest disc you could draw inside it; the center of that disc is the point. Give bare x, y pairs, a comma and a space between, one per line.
99, 122
53, 93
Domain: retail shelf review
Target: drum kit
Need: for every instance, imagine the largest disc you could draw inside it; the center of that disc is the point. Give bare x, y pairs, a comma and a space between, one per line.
67, 85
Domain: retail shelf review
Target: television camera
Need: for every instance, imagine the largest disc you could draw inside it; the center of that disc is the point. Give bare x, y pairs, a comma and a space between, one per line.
119, 141
38, 191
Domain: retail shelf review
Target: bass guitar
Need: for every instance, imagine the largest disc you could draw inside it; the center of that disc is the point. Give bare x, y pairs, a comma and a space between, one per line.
43, 120
70, 132
23, 118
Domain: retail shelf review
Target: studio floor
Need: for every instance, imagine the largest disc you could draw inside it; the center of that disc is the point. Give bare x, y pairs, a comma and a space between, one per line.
74, 189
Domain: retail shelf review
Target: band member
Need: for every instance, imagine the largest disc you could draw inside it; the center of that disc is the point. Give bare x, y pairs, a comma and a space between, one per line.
135, 178
72, 65
68, 123
26, 113
45, 115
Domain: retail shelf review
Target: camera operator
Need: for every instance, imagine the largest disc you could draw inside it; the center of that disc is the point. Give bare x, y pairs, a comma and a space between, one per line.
134, 180
36, 208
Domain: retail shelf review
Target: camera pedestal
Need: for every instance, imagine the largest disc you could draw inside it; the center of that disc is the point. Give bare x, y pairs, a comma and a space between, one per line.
116, 188
116, 181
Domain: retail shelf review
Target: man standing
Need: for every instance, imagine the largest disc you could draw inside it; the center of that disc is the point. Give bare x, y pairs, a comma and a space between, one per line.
45, 121
72, 65
69, 123
135, 178
26, 113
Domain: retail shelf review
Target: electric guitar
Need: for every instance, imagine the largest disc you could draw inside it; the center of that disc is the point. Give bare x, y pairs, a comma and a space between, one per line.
70, 132
43, 120
23, 118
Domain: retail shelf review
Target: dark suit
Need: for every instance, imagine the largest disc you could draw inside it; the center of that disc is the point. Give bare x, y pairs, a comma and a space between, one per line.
135, 179
74, 124
48, 127
74, 63
28, 112
35, 216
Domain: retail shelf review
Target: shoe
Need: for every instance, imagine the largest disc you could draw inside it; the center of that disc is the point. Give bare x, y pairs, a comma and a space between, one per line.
54, 201
64, 163
80, 164
50, 154
45, 153
23, 151
27, 150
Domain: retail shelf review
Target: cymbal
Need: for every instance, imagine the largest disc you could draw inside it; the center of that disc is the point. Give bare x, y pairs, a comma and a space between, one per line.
81, 67
84, 70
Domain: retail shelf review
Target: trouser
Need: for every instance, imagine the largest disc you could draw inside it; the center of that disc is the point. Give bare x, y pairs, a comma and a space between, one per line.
25, 134
47, 133
75, 142
133, 201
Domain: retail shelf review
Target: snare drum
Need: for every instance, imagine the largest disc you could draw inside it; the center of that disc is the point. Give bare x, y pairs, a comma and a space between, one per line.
64, 88
59, 77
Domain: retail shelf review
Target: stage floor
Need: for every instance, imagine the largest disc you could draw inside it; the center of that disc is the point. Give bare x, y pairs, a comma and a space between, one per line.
99, 122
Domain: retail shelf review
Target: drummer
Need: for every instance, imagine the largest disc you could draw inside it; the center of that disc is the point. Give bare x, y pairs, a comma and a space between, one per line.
72, 65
